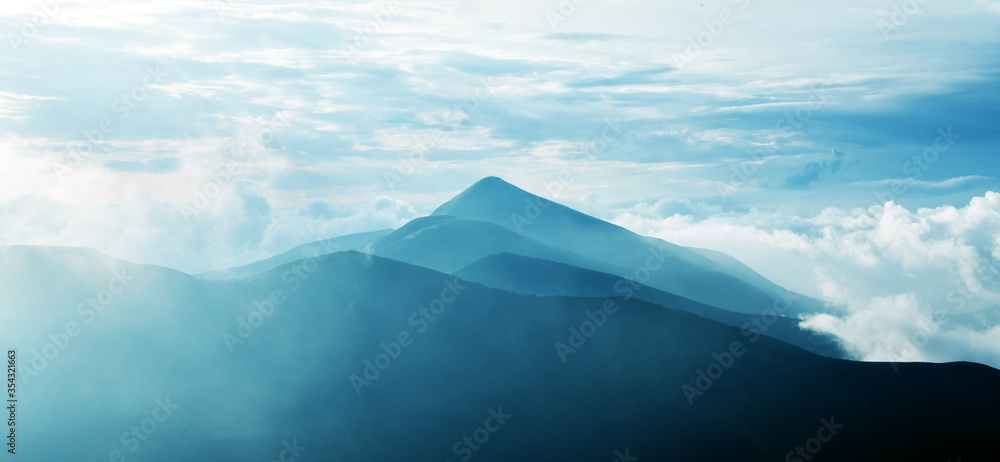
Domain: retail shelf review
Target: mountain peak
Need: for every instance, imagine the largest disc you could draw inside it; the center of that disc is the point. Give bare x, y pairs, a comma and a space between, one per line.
494, 200
489, 191
491, 180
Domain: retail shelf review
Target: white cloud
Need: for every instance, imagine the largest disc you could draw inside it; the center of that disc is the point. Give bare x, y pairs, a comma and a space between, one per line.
886, 270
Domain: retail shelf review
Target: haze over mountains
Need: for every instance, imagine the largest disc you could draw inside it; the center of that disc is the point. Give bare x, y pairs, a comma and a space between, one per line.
359, 242
493, 216
560, 338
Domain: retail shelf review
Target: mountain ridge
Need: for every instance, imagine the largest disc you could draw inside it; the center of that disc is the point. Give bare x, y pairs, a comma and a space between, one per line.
521, 274
496, 201
355, 241
446, 243
703, 275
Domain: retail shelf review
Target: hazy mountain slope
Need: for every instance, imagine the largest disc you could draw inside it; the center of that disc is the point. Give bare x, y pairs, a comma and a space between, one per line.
448, 244
289, 379
528, 275
734, 286
734, 267
360, 242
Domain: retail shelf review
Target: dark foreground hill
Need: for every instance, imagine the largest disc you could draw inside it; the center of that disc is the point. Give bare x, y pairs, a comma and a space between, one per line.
360, 358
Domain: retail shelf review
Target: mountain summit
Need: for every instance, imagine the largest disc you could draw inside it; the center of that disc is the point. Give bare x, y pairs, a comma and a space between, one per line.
496, 201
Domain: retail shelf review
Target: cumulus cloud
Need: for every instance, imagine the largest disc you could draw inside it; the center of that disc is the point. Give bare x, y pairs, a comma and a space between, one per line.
902, 285
902, 328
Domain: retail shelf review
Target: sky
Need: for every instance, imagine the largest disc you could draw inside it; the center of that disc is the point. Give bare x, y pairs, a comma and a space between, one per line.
846, 150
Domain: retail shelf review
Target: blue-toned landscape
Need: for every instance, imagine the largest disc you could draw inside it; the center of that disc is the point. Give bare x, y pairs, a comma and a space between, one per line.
587, 337
484, 231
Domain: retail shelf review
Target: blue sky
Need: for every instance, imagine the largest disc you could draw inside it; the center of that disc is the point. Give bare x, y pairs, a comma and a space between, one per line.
200, 134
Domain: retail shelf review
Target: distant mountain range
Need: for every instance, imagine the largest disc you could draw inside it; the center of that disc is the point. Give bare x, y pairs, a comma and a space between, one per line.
493, 218
467, 335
